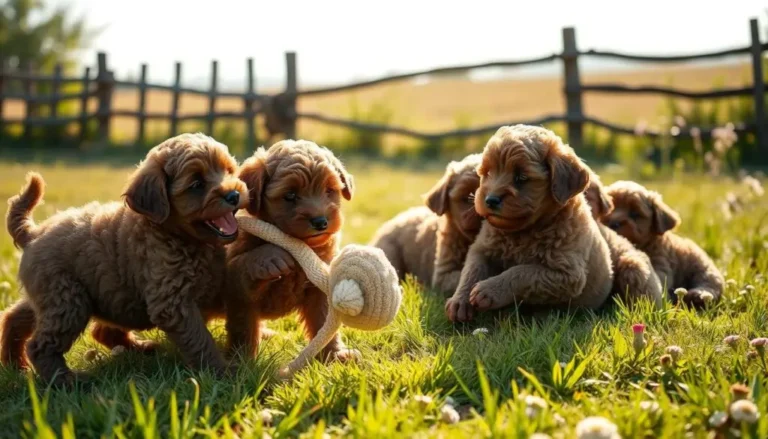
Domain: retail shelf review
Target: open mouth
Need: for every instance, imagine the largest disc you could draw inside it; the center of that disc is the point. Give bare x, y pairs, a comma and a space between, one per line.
224, 226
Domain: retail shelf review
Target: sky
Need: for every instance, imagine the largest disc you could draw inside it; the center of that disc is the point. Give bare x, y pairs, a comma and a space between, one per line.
339, 41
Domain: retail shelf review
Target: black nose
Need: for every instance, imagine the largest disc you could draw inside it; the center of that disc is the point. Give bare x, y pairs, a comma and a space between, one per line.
232, 198
319, 223
492, 201
614, 225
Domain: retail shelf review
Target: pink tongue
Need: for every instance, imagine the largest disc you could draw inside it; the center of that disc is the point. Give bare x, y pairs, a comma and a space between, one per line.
227, 223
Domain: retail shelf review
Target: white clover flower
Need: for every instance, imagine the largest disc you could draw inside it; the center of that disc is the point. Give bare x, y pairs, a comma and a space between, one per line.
534, 405
449, 415
706, 297
423, 400
744, 411
597, 427
559, 419
649, 406
5, 286
718, 419
730, 283
265, 416
480, 331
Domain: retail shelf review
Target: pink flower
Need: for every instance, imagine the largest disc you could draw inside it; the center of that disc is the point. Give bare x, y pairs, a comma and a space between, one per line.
638, 328
639, 342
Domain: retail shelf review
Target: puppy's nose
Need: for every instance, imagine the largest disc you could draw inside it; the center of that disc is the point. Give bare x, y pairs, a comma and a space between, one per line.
492, 201
614, 225
319, 223
232, 197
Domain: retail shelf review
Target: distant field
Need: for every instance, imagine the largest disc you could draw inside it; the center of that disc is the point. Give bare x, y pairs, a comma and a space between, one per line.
444, 104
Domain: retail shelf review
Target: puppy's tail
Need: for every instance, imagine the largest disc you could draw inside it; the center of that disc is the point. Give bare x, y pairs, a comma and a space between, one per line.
17, 324
19, 220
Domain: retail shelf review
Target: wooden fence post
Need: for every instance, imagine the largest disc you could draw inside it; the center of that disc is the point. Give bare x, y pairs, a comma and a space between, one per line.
84, 98
141, 130
212, 97
761, 136
574, 110
104, 86
29, 95
290, 91
250, 115
2, 87
175, 101
54, 105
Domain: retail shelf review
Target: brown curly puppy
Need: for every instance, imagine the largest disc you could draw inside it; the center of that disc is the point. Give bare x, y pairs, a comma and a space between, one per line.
539, 244
297, 186
641, 216
157, 262
432, 242
633, 274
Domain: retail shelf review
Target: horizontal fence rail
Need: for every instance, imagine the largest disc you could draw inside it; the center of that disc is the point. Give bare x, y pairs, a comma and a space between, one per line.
44, 91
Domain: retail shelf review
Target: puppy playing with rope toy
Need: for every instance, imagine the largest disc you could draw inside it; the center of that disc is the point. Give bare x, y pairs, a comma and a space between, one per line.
361, 284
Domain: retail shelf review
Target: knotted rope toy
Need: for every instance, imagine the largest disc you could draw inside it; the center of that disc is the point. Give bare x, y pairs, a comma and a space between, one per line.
361, 284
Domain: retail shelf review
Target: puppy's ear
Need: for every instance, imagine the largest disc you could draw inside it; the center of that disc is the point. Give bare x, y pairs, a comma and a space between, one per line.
569, 175
604, 201
253, 172
349, 182
147, 193
663, 218
437, 197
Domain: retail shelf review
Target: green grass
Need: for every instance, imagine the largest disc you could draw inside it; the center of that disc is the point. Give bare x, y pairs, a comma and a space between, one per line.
421, 353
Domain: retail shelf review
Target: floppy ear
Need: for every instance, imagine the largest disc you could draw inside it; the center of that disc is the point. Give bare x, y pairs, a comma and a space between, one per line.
147, 193
253, 172
663, 217
349, 182
437, 197
604, 201
569, 176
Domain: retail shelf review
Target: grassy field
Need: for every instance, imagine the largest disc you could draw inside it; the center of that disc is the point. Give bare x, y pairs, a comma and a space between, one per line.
580, 364
449, 103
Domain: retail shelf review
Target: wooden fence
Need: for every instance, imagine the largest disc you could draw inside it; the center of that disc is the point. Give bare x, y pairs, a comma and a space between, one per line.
280, 110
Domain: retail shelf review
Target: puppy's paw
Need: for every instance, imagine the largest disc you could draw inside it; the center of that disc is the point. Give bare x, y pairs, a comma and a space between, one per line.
483, 297
274, 263
458, 309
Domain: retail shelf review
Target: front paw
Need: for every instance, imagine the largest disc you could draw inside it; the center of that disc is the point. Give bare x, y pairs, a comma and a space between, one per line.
274, 264
458, 309
483, 296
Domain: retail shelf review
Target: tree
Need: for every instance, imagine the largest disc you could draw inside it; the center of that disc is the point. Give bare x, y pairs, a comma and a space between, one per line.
32, 32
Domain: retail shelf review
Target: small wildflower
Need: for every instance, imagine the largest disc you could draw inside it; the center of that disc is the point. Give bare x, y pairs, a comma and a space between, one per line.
639, 342
731, 283
744, 411
675, 352
423, 400
754, 186
563, 364
751, 355
649, 406
680, 121
718, 419
5, 286
559, 419
732, 340
480, 331
759, 278
266, 417
449, 415
680, 293
759, 344
596, 427
666, 361
674, 131
750, 288
118, 350
706, 297
641, 127
90, 355
540, 436
739, 391
743, 292
534, 405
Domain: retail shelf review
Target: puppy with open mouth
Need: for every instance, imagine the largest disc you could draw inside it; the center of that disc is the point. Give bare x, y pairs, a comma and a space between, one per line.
155, 261
297, 186
539, 244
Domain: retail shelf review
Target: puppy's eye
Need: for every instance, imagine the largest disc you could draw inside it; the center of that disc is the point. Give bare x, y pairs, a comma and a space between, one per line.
520, 179
197, 184
330, 191
634, 215
290, 196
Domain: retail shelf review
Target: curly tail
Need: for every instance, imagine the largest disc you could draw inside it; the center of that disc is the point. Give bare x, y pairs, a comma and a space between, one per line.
18, 220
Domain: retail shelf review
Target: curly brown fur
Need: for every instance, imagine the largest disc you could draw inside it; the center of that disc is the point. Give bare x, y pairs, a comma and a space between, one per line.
641, 216
633, 274
431, 242
539, 244
154, 261
297, 186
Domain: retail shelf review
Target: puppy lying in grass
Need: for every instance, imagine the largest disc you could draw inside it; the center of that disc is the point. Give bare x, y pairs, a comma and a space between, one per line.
641, 216
297, 186
539, 244
633, 274
156, 261
431, 242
